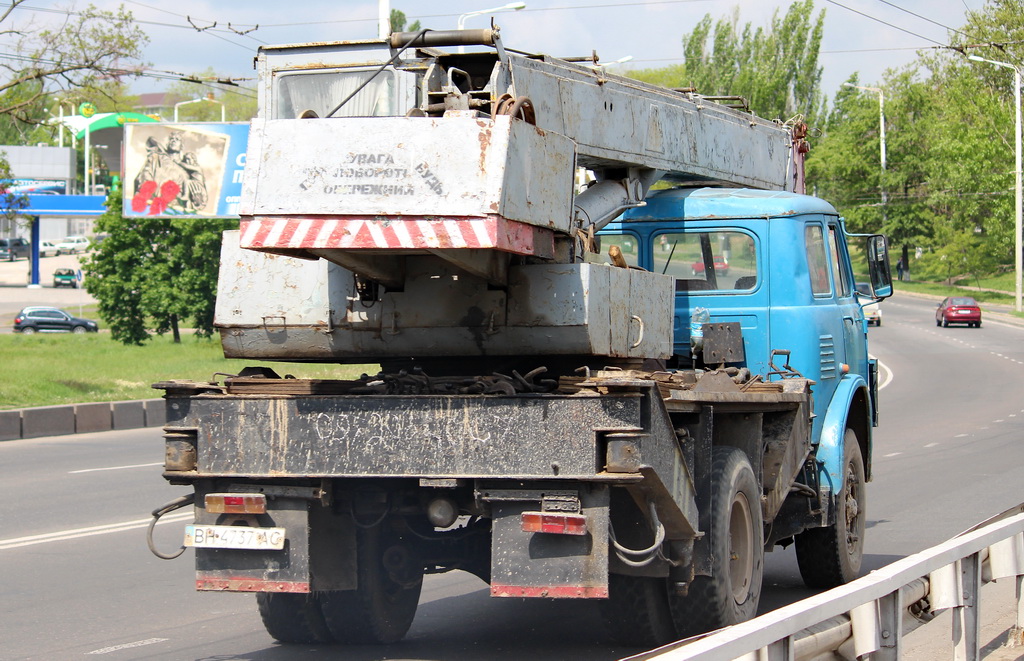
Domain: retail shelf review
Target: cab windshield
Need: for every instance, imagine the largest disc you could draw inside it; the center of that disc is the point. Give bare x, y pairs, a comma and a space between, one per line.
314, 94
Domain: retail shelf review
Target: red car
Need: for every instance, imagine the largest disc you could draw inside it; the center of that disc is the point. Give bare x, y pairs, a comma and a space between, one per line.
721, 267
958, 310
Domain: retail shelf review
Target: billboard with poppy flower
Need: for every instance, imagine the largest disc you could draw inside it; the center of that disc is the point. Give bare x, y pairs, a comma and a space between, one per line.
185, 169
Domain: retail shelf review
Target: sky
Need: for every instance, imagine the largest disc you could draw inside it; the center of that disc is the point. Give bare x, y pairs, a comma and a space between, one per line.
189, 36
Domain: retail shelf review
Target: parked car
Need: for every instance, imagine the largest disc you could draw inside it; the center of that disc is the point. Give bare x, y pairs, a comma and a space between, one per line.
721, 267
65, 278
48, 249
73, 245
872, 311
13, 248
51, 320
958, 310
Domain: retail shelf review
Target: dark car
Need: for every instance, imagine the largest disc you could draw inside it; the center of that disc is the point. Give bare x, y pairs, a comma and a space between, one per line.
51, 320
12, 249
958, 310
65, 278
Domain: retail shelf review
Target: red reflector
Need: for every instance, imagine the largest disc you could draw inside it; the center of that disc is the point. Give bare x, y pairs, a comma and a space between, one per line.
554, 522
236, 503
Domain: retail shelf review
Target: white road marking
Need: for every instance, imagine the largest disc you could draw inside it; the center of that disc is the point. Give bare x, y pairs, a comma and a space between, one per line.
115, 468
960, 436
931, 445
892, 454
885, 374
63, 535
125, 646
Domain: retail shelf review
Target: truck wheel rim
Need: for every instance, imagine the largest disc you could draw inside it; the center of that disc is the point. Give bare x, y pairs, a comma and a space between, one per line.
853, 535
741, 548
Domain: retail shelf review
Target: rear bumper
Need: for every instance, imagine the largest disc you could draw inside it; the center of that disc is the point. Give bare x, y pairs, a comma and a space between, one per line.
962, 318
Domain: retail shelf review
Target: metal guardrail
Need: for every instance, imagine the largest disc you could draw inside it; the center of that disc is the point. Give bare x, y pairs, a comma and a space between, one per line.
866, 616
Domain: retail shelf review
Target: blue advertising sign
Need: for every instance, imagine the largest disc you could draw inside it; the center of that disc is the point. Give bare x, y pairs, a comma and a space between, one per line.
34, 186
182, 170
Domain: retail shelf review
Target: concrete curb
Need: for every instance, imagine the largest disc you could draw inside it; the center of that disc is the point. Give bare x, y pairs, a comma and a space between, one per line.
81, 418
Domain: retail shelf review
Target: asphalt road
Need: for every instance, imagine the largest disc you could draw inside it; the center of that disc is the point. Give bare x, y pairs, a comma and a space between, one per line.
946, 456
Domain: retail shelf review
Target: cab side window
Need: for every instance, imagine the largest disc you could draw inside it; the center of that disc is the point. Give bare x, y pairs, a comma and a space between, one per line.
817, 260
839, 274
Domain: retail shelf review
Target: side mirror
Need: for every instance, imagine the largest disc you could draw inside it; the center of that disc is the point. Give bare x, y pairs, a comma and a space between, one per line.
878, 266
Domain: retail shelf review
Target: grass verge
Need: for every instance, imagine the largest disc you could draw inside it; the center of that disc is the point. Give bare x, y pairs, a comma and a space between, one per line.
48, 369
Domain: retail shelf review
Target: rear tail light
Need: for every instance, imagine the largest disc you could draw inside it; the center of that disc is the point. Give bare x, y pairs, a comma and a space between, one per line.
236, 503
554, 522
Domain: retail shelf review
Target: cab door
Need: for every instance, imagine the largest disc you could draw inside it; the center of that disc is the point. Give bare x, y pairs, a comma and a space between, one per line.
836, 316
854, 325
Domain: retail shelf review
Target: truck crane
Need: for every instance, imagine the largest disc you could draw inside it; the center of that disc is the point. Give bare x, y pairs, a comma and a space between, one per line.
587, 388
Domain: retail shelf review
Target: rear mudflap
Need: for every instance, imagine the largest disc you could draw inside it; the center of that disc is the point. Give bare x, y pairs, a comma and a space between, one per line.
319, 551
539, 564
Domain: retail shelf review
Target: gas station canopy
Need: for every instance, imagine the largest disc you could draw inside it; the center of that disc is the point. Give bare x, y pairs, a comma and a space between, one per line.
107, 120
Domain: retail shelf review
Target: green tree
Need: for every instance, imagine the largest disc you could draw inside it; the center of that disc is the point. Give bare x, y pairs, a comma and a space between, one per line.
117, 271
398, 20
845, 166
775, 68
970, 165
949, 128
85, 49
155, 271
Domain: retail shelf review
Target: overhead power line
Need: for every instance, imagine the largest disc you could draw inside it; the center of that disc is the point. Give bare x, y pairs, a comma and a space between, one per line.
176, 26
456, 14
878, 20
923, 18
227, 85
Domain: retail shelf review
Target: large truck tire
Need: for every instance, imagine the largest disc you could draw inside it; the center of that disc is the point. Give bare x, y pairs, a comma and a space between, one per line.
380, 610
732, 592
636, 612
293, 618
832, 556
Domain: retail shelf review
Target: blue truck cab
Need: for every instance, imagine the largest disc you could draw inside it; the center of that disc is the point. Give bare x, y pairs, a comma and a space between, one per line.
778, 264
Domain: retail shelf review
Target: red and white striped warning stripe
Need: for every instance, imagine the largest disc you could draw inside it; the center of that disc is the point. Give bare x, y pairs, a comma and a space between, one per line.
319, 232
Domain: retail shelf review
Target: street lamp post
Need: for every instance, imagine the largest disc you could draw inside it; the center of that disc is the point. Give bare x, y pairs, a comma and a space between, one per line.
512, 6
1017, 171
